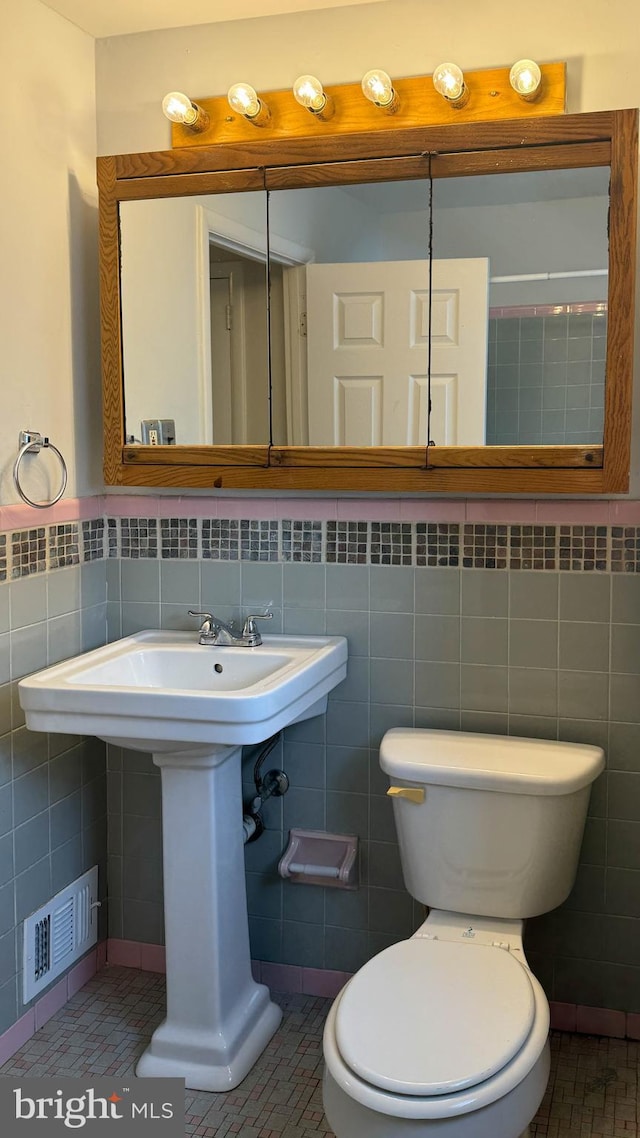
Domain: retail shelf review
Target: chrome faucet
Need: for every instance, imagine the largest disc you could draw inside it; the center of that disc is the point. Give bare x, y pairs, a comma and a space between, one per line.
218, 633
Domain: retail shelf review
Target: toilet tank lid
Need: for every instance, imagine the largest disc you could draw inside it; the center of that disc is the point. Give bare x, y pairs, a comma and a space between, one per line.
489, 762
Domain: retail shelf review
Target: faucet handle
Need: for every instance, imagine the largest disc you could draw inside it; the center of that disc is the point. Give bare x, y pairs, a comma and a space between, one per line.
249, 630
208, 622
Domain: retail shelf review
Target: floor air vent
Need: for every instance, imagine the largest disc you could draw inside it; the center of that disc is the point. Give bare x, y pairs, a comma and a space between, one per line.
59, 933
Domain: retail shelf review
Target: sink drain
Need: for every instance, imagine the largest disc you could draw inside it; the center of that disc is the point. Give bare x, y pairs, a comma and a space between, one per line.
218, 668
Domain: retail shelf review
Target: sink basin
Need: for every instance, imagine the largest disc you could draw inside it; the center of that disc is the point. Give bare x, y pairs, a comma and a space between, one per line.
164, 688
193, 707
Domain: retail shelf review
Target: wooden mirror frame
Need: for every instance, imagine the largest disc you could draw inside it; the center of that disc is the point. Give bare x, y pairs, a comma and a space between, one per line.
607, 138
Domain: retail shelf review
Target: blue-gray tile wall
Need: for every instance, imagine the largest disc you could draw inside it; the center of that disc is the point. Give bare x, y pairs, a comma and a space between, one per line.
545, 378
526, 652
52, 788
519, 629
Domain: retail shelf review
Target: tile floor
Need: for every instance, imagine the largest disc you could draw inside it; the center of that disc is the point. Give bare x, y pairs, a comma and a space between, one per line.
592, 1092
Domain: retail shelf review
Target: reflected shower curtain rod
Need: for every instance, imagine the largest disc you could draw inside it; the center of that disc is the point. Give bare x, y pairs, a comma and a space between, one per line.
549, 276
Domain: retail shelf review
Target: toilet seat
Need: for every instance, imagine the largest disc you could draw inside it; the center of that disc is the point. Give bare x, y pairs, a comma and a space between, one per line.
443, 1105
429, 1017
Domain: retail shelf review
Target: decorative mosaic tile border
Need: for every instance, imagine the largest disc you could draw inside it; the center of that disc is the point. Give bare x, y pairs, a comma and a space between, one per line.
24, 552
445, 544
470, 545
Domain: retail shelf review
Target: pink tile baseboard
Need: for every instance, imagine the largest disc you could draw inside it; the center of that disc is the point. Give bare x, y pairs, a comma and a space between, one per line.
288, 978
153, 958
563, 1016
52, 1001
17, 1035
601, 1021
633, 1025
323, 982
281, 977
125, 952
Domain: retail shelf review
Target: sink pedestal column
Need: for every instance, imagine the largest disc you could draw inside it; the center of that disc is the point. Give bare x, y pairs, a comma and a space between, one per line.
218, 1019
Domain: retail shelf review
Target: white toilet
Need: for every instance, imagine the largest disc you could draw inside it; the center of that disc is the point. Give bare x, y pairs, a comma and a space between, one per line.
445, 1034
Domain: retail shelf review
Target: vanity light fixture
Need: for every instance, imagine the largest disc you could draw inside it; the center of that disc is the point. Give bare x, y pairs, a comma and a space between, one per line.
448, 81
526, 79
180, 108
244, 101
342, 109
309, 93
379, 90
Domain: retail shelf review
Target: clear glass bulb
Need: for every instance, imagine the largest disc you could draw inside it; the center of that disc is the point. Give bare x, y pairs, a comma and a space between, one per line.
378, 88
309, 92
448, 81
179, 108
243, 99
525, 77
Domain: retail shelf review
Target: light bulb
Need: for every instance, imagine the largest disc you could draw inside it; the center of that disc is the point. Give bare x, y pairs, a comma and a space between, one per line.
179, 108
378, 88
243, 99
309, 92
448, 81
526, 79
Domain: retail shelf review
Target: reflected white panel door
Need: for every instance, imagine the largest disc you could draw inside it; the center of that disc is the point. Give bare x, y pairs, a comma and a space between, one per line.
367, 353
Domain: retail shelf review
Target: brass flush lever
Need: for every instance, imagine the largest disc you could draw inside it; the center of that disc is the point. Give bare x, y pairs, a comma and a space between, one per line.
411, 793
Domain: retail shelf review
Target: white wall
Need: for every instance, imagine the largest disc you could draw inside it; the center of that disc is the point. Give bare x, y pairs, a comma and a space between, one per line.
49, 363
407, 37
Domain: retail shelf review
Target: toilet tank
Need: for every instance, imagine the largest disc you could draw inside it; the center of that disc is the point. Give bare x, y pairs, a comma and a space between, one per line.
498, 830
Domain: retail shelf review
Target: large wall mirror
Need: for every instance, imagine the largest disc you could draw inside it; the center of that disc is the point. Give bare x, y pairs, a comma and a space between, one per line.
445, 309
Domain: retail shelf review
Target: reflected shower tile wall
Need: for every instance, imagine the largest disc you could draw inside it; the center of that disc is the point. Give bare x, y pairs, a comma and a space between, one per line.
545, 375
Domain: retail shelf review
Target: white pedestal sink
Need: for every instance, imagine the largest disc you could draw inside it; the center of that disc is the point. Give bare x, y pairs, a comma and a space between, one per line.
193, 708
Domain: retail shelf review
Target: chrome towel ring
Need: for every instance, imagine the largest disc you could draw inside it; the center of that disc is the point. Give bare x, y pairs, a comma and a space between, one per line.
32, 442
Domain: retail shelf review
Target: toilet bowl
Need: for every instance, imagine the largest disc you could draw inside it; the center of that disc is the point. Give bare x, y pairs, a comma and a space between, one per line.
446, 1033
438, 1036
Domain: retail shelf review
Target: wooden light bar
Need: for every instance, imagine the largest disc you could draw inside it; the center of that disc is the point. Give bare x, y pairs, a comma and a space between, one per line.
491, 97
